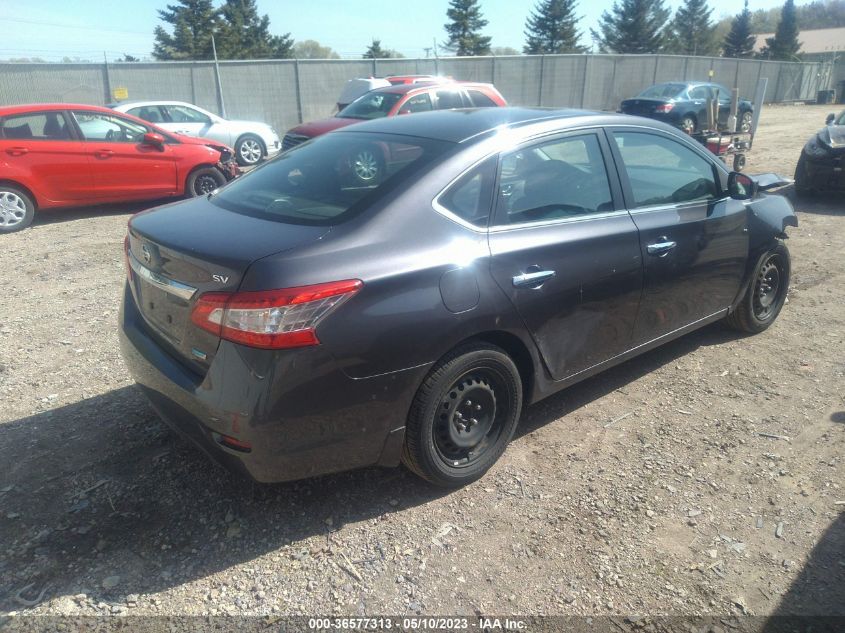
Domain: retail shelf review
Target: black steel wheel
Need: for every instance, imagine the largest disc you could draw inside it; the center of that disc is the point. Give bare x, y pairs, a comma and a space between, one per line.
766, 293
463, 416
203, 181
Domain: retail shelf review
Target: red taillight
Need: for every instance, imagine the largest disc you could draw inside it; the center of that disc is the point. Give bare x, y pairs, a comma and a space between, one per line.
129, 273
664, 107
235, 443
271, 319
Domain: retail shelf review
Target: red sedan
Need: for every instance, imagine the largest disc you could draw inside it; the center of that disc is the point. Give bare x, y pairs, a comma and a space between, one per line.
63, 155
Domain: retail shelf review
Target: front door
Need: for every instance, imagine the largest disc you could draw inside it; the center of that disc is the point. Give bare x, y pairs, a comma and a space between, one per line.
123, 166
693, 235
565, 251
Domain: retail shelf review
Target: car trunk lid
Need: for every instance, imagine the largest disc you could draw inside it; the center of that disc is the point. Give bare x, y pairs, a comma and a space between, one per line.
641, 106
192, 248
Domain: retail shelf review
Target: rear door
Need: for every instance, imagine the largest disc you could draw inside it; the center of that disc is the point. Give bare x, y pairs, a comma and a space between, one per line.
123, 166
42, 147
693, 235
565, 251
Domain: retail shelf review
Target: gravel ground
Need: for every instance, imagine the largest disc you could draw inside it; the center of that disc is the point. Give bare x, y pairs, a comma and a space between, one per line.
705, 477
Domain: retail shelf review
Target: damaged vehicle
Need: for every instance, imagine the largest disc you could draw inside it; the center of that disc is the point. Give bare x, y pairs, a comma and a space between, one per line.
821, 166
505, 254
64, 155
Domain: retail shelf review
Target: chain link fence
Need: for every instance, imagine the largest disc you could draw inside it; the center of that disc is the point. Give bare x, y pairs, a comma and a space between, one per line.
286, 92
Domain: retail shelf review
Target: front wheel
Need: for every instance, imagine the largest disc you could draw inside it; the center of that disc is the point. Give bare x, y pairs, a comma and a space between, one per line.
249, 150
16, 209
203, 181
745, 122
766, 293
463, 416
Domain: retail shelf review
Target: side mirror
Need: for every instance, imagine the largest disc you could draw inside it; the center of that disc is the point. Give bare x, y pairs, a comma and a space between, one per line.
741, 186
830, 118
154, 139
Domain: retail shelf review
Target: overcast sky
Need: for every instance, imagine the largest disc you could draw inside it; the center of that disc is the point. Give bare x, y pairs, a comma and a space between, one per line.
52, 29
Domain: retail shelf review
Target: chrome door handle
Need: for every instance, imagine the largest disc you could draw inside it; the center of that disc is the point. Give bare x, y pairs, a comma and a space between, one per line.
533, 279
661, 248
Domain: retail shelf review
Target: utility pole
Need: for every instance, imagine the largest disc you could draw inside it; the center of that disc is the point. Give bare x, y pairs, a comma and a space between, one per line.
219, 84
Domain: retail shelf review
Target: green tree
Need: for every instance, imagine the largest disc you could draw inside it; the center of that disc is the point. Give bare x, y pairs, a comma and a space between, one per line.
193, 22
312, 49
244, 34
552, 28
128, 58
464, 29
784, 45
739, 41
503, 50
375, 51
633, 26
692, 32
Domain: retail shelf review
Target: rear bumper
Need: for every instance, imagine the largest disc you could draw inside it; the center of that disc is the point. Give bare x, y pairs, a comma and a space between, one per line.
300, 413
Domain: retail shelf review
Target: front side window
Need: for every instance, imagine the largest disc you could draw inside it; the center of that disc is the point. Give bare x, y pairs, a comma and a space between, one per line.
662, 171
702, 92
417, 103
329, 179
469, 197
562, 178
45, 126
372, 105
449, 99
148, 113
183, 114
96, 126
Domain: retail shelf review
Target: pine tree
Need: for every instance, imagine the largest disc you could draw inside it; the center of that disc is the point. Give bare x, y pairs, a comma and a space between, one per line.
739, 42
193, 22
244, 34
692, 30
375, 51
464, 29
633, 26
784, 45
552, 28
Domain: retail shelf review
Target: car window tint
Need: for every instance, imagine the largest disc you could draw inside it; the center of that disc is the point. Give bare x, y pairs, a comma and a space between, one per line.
557, 179
481, 100
44, 126
96, 126
663, 171
417, 103
183, 114
699, 92
148, 113
662, 91
469, 197
372, 105
448, 99
330, 178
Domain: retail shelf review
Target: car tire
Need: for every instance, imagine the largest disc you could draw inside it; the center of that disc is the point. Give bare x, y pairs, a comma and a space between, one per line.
744, 123
17, 209
249, 150
689, 124
802, 188
367, 165
463, 416
766, 293
203, 181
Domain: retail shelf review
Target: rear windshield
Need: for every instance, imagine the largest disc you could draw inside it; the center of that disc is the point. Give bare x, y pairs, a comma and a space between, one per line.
329, 179
662, 91
372, 105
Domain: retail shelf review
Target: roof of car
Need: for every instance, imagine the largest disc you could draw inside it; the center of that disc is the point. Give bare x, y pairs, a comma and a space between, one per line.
46, 107
463, 124
134, 104
426, 85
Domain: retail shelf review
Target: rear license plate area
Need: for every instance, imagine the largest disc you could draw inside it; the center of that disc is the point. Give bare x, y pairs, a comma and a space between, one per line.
164, 311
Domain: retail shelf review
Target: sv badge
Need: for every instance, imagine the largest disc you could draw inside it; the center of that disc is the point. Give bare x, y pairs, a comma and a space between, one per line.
220, 278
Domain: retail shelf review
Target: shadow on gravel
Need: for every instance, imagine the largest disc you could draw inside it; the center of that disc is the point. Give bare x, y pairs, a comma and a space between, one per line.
839, 417
56, 216
827, 203
102, 490
819, 590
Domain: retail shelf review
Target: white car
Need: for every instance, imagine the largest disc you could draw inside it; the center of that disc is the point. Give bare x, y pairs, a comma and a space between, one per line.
251, 140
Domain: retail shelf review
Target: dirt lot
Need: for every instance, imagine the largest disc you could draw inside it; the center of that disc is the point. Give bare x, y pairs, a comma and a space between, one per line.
660, 486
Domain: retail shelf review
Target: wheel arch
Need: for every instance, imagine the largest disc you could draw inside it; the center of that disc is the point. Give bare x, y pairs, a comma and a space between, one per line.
14, 183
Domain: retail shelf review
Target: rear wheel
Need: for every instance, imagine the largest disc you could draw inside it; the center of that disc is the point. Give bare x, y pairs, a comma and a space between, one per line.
766, 293
688, 124
203, 181
463, 416
16, 209
745, 122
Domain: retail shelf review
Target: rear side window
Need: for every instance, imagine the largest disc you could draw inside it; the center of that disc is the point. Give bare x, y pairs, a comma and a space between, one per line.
331, 178
470, 197
45, 126
662, 171
481, 100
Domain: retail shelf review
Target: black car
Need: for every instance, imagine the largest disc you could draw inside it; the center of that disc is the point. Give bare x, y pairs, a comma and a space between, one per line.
295, 322
821, 166
684, 105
